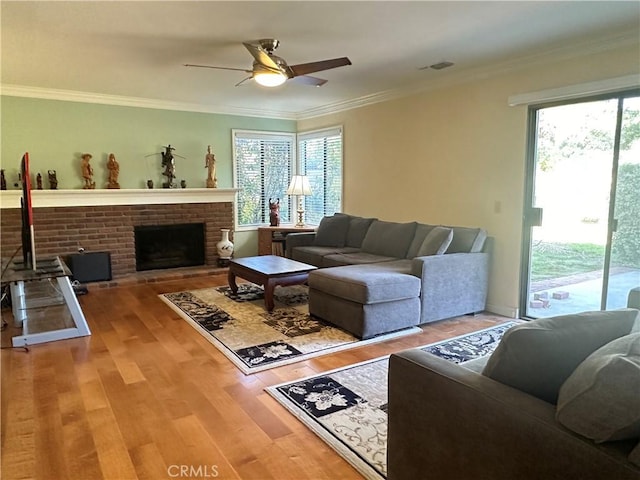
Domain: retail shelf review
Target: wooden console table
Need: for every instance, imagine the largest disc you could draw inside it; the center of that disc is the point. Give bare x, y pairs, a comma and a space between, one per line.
271, 239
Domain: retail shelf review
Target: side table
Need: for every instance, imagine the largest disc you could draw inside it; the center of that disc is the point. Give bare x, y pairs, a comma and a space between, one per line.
271, 239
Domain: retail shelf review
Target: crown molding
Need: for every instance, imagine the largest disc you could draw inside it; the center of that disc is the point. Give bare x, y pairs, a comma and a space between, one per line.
103, 99
592, 46
456, 77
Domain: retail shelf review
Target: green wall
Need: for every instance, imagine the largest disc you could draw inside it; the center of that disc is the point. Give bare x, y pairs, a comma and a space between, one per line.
56, 133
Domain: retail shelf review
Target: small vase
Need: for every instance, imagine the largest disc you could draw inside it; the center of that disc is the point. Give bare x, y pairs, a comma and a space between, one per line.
224, 246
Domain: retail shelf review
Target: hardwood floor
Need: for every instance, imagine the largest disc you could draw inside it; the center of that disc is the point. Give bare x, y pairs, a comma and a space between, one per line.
146, 396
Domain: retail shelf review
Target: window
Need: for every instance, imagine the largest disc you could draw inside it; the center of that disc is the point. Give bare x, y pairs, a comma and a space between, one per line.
581, 231
263, 165
320, 158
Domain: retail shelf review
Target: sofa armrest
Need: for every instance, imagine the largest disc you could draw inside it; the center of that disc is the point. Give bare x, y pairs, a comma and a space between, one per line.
452, 284
446, 421
301, 239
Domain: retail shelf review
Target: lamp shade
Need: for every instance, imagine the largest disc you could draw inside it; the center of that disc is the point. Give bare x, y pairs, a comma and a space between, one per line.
299, 185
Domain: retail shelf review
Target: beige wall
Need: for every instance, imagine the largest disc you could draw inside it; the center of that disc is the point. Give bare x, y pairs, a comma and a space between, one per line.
456, 156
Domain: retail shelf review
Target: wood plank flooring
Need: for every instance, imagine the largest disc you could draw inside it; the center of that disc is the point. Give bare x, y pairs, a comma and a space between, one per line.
147, 397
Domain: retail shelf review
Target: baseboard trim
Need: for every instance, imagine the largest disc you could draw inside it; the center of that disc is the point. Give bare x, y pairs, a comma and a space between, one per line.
503, 310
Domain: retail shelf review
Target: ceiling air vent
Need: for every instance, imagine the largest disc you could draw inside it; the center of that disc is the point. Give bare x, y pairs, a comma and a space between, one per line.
441, 65
437, 66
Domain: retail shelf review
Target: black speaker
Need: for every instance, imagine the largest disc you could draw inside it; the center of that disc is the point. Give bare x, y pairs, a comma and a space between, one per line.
90, 267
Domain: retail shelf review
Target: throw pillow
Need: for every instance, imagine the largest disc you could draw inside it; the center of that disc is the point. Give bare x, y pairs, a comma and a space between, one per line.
467, 240
332, 231
538, 357
422, 230
436, 242
601, 398
358, 227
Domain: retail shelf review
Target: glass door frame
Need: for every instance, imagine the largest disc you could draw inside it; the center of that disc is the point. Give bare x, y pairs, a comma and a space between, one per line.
532, 216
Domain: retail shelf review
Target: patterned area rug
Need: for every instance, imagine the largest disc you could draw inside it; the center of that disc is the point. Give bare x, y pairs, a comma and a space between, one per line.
347, 407
255, 340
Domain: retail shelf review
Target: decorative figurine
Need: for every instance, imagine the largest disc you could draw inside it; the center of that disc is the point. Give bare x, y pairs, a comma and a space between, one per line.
210, 163
3, 180
87, 172
274, 213
39, 181
149, 184
169, 165
114, 170
53, 180
183, 183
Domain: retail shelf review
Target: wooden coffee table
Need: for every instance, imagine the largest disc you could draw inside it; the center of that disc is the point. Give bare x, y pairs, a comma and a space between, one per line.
268, 271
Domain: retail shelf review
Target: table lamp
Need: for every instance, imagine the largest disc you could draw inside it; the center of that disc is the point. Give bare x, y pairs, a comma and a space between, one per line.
299, 186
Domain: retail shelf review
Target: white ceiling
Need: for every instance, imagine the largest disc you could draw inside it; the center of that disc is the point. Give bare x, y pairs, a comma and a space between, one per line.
137, 49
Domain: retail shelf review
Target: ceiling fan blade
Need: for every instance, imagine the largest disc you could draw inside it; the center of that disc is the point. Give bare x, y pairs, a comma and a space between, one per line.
244, 80
305, 68
261, 56
307, 80
218, 68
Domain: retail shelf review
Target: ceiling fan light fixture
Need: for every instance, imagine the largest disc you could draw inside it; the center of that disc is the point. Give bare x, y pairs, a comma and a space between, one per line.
270, 79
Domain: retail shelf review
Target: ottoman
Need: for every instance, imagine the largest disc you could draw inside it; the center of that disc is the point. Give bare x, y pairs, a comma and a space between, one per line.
366, 300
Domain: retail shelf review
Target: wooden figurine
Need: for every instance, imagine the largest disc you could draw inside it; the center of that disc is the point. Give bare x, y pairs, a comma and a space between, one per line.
39, 181
274, 213
114, 170
3, 180
210, 163
53, 179
87, 172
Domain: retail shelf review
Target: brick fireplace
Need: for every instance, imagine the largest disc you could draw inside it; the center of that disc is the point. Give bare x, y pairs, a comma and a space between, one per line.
102, 220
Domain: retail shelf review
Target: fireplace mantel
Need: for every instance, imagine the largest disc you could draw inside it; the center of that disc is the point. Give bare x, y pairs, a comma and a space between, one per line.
74, 198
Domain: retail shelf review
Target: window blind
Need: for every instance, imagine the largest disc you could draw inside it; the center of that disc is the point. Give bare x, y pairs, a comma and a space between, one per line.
320, 157
263, 164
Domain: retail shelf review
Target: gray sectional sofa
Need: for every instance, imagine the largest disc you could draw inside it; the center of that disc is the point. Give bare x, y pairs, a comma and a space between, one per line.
375, 277
558, 399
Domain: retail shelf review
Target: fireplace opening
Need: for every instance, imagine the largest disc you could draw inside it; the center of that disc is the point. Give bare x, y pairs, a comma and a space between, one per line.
169, 246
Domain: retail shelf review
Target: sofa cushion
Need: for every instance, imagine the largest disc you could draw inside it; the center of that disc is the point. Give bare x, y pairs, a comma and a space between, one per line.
357, 230
436, 242
365, 284
422, 230
537, 357
467, 240
389, 239
601, 398
353, 258
315, 255
332, 231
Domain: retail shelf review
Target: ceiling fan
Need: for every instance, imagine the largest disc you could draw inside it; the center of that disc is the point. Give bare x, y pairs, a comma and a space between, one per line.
270, 70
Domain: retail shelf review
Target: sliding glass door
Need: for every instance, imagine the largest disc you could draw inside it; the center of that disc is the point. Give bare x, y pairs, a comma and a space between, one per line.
582, 211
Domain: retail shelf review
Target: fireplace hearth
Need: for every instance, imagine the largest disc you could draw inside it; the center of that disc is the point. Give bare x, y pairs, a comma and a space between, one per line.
169, 246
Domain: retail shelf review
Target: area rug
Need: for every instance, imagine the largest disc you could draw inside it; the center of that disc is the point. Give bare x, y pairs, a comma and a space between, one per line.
347, 407
255, 340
